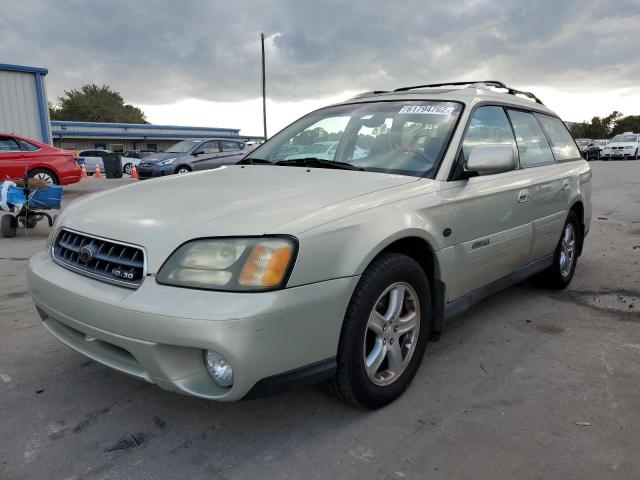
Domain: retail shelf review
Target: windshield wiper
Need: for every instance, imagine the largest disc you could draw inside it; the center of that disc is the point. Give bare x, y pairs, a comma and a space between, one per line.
319, 163
254, 161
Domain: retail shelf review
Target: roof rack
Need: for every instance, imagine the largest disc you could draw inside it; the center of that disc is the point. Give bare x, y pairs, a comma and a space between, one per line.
488, 83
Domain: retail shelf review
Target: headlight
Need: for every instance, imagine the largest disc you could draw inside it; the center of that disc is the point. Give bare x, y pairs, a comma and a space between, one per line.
628, 147
168, 161
231, 264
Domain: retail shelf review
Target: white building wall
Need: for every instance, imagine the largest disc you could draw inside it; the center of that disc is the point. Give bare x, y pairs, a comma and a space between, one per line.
19, 111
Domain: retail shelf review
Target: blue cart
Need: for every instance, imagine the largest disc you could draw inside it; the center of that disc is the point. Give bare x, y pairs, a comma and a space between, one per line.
34, 203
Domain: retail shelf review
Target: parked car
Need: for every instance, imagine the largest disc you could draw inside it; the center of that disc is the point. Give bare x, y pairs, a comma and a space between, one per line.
626, 145
91, 158
190, 155
44, 162
133, 157
601, 144
240, 281
588, 148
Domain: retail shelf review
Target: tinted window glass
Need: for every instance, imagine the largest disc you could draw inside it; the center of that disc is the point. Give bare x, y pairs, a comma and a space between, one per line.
26, 146
227, 146
8, 144
488, 126
209, 147
562, 144
532, 144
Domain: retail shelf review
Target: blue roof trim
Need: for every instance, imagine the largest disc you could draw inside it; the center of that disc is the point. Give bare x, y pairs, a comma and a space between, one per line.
139, 125
23, 68
151, 136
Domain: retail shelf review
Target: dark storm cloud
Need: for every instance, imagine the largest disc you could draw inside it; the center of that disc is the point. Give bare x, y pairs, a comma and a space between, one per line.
162, 52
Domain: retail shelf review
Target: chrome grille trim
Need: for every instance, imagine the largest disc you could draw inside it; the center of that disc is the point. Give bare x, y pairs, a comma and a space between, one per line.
107, 255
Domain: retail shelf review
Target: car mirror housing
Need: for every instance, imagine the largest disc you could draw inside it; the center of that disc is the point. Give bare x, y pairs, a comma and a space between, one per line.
491, 159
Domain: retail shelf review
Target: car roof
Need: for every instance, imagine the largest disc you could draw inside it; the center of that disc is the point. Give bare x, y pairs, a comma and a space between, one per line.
468, 93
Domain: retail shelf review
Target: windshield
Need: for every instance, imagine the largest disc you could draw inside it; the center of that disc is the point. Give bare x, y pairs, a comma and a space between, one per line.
601, 142
624, 138
582, 142
399, 137
183, 146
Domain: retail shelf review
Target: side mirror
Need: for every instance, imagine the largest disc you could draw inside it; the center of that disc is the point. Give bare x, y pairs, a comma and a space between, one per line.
197, 152
491, 159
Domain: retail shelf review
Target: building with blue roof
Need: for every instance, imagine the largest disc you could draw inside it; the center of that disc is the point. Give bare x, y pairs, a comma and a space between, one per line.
24, 111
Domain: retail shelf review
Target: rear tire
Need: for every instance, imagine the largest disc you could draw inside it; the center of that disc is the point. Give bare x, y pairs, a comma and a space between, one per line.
44, 174
565, 257
8, 226
378, 358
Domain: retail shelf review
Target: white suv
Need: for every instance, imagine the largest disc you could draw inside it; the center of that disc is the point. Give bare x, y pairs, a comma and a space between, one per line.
290, 269
625, 145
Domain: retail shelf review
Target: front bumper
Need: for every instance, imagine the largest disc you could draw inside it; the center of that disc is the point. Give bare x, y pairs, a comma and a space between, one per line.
151, 172
158, 333
618, 154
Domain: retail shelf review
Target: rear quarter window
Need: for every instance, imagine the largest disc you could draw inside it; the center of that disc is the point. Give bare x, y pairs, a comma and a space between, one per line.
562, 144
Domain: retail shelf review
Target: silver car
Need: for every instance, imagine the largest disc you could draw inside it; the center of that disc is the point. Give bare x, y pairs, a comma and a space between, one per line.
289, 269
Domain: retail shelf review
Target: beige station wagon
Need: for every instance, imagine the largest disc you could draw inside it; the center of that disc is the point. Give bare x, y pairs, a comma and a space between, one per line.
290, 268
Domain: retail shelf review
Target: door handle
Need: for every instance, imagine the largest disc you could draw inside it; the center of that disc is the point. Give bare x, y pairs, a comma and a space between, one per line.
523, 196
565, 183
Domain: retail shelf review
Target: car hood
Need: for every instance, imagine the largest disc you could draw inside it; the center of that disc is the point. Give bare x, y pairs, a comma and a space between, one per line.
234, 200
156, 157
621, 144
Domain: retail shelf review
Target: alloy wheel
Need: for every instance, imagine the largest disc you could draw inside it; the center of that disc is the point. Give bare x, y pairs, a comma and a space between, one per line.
391, 334
44, 176
567, 249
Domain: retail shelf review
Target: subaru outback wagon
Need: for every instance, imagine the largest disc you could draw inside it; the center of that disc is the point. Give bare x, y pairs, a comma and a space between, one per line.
282, 271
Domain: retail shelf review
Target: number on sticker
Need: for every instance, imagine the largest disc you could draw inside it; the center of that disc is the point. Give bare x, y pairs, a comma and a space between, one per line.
427, 109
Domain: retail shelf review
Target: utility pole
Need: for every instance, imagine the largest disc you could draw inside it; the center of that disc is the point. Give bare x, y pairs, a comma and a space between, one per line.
264, 89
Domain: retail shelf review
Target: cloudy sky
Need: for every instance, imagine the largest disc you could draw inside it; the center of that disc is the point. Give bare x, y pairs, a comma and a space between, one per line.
194, 62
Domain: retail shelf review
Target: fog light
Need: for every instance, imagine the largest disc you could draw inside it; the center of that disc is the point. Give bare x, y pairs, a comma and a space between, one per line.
218, 368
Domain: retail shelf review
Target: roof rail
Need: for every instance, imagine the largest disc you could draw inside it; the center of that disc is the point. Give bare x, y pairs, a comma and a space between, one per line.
488, 83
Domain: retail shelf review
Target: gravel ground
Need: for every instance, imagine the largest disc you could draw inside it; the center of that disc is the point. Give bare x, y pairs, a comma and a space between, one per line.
528, 384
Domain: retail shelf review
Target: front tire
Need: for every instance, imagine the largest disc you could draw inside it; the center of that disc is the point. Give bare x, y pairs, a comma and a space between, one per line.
384, 334
181, 170
8, 226
127, 168
565, 257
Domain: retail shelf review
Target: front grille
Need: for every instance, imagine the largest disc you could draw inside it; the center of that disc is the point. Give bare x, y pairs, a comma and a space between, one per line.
106, 260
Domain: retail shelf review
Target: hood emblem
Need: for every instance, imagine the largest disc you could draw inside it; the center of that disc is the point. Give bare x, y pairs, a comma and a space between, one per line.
85, 254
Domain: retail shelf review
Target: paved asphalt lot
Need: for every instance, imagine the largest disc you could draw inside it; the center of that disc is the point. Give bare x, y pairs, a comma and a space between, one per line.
528, 384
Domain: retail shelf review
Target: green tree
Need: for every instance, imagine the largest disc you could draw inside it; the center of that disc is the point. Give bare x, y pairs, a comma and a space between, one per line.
93, 103
630, 123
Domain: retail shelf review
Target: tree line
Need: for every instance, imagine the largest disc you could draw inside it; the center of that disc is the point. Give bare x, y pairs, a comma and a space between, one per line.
93, 103
606, 127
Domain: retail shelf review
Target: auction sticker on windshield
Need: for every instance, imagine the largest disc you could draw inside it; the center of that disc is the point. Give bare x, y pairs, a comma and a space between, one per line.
428, 109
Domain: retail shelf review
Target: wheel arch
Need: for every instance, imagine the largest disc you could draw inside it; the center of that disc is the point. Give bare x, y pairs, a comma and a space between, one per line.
578, 209
416, 246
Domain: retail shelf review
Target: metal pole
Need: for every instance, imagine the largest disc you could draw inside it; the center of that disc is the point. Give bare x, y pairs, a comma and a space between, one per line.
264, 89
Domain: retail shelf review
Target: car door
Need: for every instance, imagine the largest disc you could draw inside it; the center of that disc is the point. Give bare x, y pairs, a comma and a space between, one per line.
552, 177
231, 153
204, 155
491, 224
13, 160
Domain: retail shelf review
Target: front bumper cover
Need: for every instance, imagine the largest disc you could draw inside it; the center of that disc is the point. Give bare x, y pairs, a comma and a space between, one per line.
158, 333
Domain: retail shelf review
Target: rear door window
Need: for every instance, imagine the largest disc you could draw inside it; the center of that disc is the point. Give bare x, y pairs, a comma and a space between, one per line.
8, 144
562, 144
533, 146
229, 146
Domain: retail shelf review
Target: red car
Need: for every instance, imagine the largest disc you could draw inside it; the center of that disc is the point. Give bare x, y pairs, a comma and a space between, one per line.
43, 161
